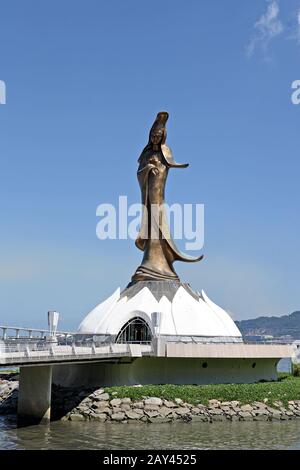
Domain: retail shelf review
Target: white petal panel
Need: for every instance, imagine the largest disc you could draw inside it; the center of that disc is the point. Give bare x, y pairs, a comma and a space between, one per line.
184, 316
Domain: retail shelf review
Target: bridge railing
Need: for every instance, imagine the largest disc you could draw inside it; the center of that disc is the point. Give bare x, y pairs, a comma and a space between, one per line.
19, 352
16, 332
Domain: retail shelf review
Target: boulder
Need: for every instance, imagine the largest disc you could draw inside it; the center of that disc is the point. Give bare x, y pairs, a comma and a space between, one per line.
201, 407
261, 418
169, 404
182, 411
115, 402
178, 401
246, 408
225, 408
276, 416
215, 411
214, 402
118, 416
259, 404
230, 412
151, 414
126, 400
261, 411
138, 404
106, 410
102, 397
99, 417
138, 411
3, 389
100, 404
125, 407
133, 415
273, 411
153, 401
151, 407
164, 411
116, 409
76, 417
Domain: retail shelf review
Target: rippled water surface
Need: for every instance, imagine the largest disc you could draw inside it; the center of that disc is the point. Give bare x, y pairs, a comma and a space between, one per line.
93, 435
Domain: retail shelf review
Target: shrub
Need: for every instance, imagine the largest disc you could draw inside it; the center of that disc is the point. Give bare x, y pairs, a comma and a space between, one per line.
296, 370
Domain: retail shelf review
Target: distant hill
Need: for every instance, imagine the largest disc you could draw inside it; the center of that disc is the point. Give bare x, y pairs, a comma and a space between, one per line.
275, 326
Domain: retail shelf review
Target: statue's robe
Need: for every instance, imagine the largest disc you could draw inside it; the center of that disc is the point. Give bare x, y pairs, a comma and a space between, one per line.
154, 237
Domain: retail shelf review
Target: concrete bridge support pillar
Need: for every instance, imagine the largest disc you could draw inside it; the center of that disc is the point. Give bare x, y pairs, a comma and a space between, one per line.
34, 402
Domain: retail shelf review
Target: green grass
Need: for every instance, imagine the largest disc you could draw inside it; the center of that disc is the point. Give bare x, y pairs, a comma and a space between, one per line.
9, 371
285, 389
296, 370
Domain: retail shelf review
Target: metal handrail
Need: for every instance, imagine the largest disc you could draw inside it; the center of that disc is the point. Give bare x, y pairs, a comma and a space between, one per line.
44, 350
34, 330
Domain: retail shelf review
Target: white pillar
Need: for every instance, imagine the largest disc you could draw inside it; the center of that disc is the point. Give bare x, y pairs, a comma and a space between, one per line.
34, 402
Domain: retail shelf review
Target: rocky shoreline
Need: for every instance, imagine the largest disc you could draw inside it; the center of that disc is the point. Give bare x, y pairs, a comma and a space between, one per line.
98, 405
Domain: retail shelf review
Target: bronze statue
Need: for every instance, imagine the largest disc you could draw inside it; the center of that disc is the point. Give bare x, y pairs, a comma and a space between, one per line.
154, 238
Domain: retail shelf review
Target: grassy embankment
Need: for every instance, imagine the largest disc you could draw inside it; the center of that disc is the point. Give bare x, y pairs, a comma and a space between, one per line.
285, 389
9, 371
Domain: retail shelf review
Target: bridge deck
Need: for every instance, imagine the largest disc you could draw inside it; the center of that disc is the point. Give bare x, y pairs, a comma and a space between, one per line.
65, 347
22, 354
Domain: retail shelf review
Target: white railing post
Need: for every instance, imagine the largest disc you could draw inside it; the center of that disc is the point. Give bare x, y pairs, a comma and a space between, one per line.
27, 351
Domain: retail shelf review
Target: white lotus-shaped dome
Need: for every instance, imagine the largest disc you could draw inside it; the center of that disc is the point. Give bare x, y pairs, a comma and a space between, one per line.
182, 314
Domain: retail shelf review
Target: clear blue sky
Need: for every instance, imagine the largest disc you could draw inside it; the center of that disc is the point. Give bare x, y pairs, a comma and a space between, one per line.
84, 81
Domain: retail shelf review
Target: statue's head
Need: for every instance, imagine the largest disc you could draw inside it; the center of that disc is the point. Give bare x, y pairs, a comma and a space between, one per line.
158, 132
156, 136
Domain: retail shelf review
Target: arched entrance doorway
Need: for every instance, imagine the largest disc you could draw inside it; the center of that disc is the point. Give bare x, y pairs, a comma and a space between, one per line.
135, 330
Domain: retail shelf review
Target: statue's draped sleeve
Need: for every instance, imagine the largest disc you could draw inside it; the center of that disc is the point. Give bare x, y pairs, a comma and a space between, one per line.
143, 176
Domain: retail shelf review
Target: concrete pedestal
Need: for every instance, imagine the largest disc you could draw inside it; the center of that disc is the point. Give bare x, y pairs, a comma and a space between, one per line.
34, 402
163, 370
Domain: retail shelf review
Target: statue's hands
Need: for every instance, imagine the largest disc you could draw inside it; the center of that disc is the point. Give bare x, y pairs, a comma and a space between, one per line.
154, 171
153, 163
153, 160
149, 168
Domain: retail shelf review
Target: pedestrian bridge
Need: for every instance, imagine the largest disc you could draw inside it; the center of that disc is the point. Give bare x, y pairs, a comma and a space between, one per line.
21, 346
28, 346
169, 360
